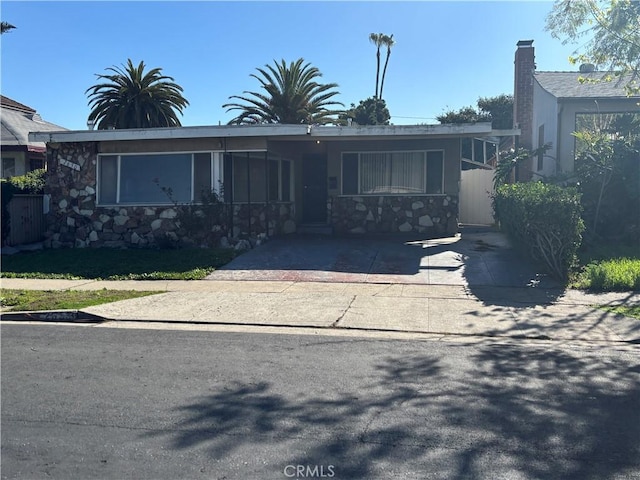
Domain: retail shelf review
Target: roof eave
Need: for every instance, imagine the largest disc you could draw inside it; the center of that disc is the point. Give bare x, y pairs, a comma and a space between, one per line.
280, 131
165, 133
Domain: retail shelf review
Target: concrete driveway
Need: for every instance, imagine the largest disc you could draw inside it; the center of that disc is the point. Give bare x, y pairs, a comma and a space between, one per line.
480, 257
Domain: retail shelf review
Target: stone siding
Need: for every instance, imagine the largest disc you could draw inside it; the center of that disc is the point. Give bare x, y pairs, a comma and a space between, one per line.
431, 215
75, 219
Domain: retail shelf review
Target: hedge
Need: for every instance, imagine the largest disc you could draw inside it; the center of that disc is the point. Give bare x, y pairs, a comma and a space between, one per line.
543, 219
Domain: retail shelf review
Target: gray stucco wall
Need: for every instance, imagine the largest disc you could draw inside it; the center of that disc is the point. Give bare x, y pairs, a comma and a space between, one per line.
545, 112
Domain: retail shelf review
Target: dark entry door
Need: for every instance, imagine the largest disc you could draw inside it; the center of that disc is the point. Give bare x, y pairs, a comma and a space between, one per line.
314, 196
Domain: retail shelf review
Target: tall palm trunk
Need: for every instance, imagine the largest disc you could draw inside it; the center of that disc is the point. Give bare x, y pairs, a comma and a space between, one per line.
388, 41
376, 38
377, 70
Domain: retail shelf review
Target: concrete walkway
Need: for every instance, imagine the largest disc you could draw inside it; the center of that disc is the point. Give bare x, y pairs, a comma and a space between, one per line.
458, 310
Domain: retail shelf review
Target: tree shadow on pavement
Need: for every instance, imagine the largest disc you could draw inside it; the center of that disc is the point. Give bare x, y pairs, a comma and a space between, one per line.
505, 412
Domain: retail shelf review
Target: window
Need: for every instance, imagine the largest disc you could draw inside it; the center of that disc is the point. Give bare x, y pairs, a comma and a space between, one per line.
36, 164
8, 167
540, 145
615, 125
258, 178
393, 173
154, 179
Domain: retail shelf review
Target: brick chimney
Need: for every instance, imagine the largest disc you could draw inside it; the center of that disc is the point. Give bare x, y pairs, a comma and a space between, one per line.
525, 66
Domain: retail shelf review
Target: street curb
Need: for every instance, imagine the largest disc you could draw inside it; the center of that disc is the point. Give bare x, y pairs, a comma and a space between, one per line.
76, 316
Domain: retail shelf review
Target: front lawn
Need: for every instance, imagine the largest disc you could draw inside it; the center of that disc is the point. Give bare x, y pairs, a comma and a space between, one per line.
609, 268
26, 300
116, 264
626, 310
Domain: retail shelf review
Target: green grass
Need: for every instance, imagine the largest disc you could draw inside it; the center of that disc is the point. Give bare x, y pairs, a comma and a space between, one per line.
116, 264
626, 310
609, 268
620, 274
24, 300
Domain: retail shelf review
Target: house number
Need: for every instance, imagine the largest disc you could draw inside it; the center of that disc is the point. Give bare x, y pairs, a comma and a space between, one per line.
71, 165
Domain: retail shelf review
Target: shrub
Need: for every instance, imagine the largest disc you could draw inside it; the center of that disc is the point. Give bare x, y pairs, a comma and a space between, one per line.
544, 220
30, 183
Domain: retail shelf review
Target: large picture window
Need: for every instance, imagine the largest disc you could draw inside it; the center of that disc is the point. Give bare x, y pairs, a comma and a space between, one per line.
154, 179
393, 173
259, 178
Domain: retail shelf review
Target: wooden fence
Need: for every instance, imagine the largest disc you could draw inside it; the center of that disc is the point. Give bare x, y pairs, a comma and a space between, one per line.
27, 219
476, 187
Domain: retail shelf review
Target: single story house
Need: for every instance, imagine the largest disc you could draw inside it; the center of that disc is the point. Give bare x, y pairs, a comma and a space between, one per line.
19, 154
125, 187
549, 107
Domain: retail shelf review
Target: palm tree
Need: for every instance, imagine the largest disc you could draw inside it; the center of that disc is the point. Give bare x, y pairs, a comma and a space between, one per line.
388, 42
376, 39
135, 99
291, 95
5, 27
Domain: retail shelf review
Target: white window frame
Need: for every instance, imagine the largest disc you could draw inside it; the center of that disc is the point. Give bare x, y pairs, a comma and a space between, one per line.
217, 171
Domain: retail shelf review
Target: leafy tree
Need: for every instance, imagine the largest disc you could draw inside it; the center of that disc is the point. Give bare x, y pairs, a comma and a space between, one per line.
464, 115
612, 33
608, 173
291, 95
5, 27
372, 111
497, 110
512, 159
380, 40
135, 99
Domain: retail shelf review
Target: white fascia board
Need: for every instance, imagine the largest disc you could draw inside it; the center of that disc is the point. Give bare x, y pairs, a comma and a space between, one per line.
465, 129
271, 130
169, 133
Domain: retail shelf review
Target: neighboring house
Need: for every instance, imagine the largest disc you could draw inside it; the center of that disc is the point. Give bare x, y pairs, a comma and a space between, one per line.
550, 106
19, 155
106, 186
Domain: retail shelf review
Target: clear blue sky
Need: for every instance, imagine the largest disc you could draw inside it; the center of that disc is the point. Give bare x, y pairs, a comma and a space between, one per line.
447, 53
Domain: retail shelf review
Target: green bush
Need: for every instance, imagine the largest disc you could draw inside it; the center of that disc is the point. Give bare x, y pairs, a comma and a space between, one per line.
30, 183
544, 220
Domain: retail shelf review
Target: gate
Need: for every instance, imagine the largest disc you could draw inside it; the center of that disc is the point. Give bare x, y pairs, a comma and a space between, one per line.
27, 219
476, 186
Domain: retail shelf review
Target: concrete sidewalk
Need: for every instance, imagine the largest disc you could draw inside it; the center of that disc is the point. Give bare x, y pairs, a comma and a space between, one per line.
505, 312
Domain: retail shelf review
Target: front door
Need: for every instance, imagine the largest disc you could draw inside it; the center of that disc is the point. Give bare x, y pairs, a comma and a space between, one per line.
314, 196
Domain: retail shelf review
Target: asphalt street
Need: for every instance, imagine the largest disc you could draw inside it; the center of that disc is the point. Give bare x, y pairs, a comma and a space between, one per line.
112, 403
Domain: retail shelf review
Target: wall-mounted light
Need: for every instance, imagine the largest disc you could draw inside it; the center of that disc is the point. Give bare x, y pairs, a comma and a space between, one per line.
318, 142
91, 124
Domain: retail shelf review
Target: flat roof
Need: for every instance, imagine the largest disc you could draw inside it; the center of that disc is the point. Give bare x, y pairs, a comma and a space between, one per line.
277, 131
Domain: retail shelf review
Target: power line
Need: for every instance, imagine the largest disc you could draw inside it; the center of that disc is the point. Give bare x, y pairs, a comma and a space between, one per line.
415, 118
